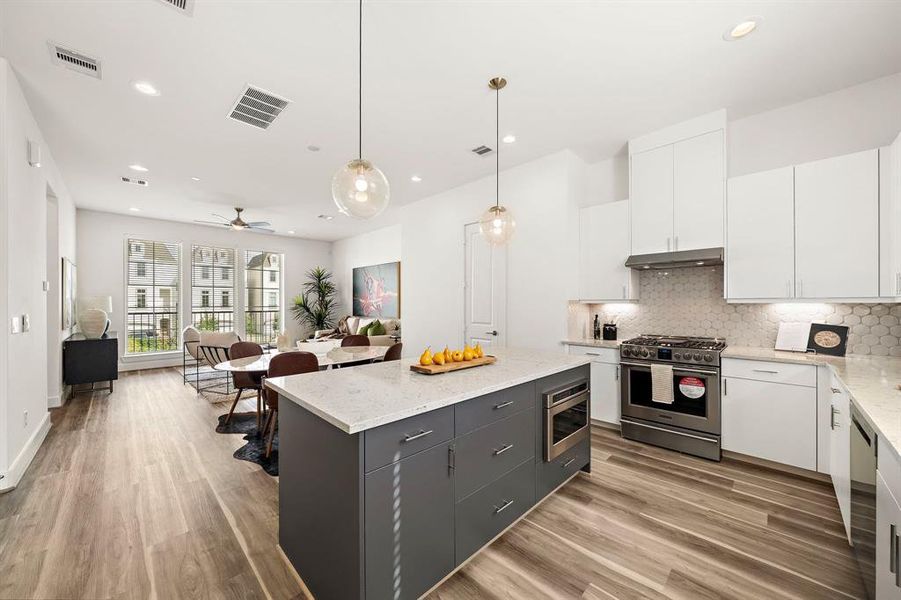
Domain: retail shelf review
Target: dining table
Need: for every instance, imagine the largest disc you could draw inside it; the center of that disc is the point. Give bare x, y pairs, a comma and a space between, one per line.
333, 358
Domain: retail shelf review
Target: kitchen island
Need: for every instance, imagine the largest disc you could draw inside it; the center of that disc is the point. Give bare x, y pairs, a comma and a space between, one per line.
390, 480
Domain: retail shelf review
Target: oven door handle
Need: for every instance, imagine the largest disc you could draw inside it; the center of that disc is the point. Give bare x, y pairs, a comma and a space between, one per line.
675, 368
567, 404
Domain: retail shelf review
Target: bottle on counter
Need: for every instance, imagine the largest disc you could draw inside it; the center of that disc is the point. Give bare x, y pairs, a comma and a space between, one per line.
597, 328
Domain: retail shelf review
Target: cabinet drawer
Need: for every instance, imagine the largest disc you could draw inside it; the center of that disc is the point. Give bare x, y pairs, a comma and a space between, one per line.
610, 355
492, 509
552, 474
487, 409
774, 372
487, 453
392, 442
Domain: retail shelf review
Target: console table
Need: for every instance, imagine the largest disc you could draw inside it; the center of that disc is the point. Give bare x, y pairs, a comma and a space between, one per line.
87, 360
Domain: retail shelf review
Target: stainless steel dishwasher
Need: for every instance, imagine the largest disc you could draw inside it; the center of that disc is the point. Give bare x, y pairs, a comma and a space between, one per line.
863, 499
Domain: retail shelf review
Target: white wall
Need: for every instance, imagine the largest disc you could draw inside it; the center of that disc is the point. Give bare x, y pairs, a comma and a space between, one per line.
606, 181
543, 196
372, 248
23, 270
101, 268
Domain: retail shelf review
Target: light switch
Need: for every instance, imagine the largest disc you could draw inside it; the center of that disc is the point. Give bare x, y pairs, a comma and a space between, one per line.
46, 286
26, 323
15, 324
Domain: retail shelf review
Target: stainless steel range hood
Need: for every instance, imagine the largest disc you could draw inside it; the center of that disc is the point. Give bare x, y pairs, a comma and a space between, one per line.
676, 260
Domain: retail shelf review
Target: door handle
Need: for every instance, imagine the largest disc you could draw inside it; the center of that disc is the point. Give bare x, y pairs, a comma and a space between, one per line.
492, 332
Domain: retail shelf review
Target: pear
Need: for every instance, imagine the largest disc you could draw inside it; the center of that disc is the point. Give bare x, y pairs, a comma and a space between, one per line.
448, 355
457, 355
438, 358
468, 353
478, 351
426, 358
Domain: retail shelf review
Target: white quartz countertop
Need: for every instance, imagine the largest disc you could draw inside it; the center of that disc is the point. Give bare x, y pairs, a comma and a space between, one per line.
594, 343
871, 380
359, 398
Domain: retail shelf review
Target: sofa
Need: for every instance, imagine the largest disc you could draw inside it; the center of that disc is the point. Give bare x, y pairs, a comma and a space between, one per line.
392, 328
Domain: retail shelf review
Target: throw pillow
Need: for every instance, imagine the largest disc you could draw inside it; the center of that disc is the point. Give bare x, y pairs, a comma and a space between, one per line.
364, 330
376, 328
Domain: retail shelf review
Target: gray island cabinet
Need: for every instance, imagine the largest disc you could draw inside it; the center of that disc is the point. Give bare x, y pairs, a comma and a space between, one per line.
387, 511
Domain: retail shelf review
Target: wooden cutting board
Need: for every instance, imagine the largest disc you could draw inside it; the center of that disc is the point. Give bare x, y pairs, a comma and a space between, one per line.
453, 366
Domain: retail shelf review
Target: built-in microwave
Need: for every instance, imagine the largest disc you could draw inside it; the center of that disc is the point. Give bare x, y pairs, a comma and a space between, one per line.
567, 419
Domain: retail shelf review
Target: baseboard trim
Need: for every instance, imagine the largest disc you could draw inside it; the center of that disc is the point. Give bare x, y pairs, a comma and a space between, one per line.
23, 460
54, 401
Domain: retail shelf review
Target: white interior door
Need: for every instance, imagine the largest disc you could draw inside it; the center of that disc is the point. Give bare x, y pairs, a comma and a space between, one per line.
485, 285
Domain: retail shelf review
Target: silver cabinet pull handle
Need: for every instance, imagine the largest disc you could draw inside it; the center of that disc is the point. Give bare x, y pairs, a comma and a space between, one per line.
567, 463
765, 371
422, 433
676, 243
502, 449
725, 387
897, 570
624, 292
832, 423
502, 507
504, 404
617, 372
893, 548
593, 353
667, 244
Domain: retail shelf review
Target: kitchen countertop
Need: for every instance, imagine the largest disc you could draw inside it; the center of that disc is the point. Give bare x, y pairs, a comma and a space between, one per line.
359, 398
594, 343
871, 380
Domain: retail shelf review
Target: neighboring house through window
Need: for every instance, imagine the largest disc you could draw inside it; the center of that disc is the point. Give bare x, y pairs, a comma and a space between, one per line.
212, 288
152, 284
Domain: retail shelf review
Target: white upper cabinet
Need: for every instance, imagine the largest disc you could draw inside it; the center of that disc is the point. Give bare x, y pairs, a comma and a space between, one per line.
651, 194
698, 192
760, 251
603, 249
890, 220
837, 227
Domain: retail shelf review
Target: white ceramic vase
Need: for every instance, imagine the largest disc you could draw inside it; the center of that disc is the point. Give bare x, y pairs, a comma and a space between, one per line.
93, 322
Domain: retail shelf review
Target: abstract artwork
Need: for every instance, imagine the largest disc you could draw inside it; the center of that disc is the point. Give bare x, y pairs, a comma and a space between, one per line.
377, 291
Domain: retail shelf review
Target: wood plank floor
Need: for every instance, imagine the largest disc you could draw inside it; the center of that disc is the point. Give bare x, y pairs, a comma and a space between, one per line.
135, 496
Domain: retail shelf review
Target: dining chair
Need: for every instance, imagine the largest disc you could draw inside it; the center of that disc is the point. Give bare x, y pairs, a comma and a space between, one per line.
246, 381
394, 352
355, 340
288, 363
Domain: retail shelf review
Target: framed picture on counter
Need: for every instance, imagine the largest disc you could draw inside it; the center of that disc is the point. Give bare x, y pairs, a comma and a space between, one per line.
831, 340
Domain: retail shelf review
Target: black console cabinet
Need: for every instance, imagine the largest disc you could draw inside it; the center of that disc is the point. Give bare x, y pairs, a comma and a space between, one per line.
88, 360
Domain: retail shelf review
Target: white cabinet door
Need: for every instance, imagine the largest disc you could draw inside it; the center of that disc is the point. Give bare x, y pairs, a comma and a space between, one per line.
699, 187
604, 247
760, 251
774, 421
651, 195
605, 392
840, 452
837, 227
888, 528
890, 220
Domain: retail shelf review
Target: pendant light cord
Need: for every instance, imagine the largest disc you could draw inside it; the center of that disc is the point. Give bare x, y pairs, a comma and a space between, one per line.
360, 88
497, 145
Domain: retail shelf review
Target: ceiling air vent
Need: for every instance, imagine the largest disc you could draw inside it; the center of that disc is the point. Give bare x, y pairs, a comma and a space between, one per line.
74, 60
140, 182
257, 107
482, 150
185, 7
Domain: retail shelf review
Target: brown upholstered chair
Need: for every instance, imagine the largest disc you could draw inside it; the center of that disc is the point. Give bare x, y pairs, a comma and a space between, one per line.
288, 363
246, 381
394, 352
355, 340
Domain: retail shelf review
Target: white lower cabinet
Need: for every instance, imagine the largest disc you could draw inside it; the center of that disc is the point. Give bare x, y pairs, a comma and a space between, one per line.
840, 449
605, 382
888, 530
774, 421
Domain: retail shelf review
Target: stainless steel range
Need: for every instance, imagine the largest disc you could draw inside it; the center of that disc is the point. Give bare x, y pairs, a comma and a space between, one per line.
691, 423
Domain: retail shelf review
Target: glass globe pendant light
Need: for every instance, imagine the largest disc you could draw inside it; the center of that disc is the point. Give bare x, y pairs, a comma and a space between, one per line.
496, 224
359, 188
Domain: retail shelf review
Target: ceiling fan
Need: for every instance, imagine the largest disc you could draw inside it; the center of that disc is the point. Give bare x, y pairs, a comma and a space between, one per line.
239, 224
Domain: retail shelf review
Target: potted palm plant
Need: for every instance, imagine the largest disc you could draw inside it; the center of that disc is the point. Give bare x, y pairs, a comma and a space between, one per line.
317, 303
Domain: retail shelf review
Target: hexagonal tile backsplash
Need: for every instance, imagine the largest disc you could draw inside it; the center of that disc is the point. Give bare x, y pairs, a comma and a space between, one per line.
690, 302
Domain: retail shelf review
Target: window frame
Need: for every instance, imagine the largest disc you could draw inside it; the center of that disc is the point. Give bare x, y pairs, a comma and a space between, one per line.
138, 244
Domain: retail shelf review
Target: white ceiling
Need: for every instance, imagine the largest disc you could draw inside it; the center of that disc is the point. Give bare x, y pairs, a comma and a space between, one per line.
583, 75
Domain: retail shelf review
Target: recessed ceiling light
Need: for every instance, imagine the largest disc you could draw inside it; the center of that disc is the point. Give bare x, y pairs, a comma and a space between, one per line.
509, 138
139, 168
145, 87
326, 217
312, 148
291, 232
742, 28
134, 209
195, 178
416, 179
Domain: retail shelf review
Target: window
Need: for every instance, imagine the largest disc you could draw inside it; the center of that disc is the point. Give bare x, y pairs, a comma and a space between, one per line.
152, 286
212, 288
262, 286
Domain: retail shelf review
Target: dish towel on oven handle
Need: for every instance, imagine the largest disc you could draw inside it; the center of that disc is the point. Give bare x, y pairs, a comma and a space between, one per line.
662, 384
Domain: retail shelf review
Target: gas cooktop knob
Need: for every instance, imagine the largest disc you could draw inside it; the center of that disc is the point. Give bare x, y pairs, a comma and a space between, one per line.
626, 352
645, 353
697, 356
708, 357
677, 356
